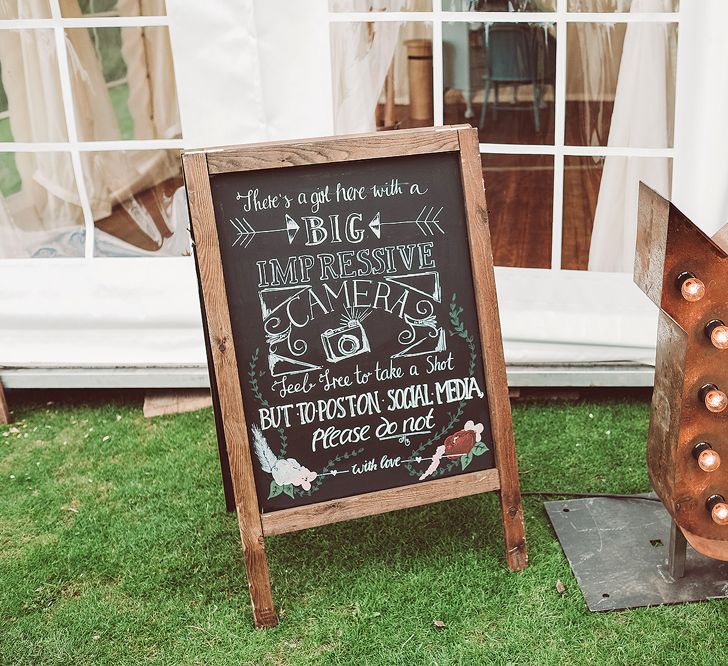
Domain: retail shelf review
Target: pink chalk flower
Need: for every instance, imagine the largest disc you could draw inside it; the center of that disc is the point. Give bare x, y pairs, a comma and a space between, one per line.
477, 428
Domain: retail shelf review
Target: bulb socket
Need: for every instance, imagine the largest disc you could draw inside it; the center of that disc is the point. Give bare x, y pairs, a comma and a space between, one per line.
713, 500
700, 447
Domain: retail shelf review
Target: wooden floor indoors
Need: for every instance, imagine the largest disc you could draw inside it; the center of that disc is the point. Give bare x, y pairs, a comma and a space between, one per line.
519, 188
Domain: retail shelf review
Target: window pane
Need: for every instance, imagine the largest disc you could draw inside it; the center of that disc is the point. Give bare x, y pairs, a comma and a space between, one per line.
519, 192
600, 207
40, 213
501, 76
620, 83
499, 5
24, 9
89, 8
382, 75
622, 6
380, 5
123, 83
138, 203
31, 103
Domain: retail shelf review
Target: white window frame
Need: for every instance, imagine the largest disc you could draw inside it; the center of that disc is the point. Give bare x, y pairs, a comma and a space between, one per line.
59, 24
559, 149
145, 310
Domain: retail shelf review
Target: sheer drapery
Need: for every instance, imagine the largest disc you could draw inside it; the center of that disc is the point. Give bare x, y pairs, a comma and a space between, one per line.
362, 53
46, 213
701, 134
113, 178
152, 89
361, 56
47, 207
642, 117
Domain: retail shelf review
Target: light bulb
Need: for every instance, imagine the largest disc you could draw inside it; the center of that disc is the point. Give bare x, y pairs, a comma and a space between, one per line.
715, 400
691, 288
719, 514
717, 331
718, 508
708, 460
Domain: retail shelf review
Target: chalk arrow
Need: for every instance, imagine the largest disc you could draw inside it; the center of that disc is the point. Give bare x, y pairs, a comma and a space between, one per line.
291, 228
427, 222
374, 225
246, 233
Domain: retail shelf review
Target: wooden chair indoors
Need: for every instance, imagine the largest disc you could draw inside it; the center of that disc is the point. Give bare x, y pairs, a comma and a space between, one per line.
516, 55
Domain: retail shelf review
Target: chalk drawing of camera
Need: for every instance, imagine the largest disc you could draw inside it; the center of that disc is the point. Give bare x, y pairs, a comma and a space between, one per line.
344, 342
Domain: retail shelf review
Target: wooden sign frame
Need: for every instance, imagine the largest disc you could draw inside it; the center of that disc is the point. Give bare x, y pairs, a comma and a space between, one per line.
254, 526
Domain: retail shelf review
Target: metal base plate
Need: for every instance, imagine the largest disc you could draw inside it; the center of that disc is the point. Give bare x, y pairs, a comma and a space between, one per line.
617, 549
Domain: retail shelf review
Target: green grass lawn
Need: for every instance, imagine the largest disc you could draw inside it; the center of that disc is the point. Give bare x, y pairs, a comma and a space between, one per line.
115, 548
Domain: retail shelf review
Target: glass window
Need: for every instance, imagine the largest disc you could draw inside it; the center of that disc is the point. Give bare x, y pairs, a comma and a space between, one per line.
382, 73
89, 8
499, 5
40, 210
501, 77
31, 103
380, 5
600, 196
623, 6
138, 203
519, 192
123, 87
620, 84
123, 83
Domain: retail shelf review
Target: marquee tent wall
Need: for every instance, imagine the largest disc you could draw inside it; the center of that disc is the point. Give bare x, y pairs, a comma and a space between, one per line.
258, 70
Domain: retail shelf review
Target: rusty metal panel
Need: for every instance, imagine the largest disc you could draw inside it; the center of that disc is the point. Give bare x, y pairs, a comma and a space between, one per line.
670, 244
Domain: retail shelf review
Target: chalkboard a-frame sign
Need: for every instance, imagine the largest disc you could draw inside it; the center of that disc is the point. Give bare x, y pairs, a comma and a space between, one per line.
349, 297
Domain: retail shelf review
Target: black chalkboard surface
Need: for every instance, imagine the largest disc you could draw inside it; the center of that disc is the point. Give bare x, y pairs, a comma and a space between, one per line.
352, 329
354, 322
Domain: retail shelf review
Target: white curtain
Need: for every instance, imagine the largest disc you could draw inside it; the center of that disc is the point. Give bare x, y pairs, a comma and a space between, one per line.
701, 133
150, 71
642, 117
47, 207
113, 178
50, 220
361, 54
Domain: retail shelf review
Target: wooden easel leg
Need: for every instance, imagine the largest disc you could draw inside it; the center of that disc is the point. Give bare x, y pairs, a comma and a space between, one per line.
256, 565
221, 357
5, 416
676, 552
494, 367
513, 528
227, 479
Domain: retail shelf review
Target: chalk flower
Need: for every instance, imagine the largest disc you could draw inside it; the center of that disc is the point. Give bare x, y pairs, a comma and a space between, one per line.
477, 429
